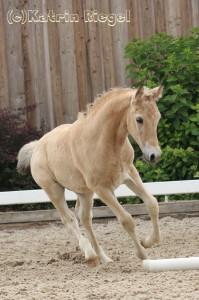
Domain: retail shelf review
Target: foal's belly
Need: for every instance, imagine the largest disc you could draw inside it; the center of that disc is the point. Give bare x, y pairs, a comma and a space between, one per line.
72, 180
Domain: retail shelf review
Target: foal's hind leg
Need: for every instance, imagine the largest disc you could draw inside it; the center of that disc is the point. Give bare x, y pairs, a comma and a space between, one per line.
84, 208
56, 193
135, 183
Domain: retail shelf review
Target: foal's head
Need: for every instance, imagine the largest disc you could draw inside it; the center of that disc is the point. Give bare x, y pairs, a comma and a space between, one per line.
142, 120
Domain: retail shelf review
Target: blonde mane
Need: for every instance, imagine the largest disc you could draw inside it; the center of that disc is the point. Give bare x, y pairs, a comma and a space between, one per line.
102, 99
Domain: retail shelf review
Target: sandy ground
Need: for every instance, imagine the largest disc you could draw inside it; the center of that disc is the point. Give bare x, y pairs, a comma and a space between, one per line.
42, 261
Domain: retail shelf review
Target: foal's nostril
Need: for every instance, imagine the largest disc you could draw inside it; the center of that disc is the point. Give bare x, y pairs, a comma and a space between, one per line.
152, 157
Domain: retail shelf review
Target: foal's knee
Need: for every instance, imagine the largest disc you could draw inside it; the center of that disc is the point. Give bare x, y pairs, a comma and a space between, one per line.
127, 222
153, 207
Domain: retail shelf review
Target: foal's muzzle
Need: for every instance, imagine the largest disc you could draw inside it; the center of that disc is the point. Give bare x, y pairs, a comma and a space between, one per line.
152, 154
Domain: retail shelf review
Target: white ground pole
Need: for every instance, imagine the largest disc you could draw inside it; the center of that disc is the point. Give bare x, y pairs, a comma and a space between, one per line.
173, 264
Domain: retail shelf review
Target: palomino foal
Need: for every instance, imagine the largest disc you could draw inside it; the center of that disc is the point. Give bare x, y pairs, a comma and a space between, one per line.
94, 155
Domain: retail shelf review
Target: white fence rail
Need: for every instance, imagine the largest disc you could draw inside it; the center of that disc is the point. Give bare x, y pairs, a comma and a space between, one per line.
156, 188
186, 208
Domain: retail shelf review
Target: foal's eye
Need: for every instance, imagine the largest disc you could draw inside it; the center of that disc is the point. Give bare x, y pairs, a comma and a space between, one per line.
139, 120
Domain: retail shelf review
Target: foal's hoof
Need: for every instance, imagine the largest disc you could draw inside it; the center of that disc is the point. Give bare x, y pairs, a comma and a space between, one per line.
106, 260
93, 262
148, 242
142, 254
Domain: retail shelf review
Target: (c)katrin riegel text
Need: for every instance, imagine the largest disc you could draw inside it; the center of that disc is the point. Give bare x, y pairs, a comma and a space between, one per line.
90, 16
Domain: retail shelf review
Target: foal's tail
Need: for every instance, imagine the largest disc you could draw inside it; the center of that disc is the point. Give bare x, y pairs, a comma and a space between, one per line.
24, 157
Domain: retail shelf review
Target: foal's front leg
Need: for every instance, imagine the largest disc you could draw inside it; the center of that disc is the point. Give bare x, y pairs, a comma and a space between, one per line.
125, 219
135, 183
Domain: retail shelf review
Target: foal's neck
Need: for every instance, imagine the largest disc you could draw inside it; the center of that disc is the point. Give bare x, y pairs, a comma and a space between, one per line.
110, 122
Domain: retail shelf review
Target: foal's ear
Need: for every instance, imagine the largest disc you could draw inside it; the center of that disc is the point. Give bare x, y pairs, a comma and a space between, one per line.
139, 92
157, 92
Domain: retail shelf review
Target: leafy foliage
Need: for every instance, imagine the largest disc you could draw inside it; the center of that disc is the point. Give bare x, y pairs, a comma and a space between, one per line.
15, 132
173, 62
176, 164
